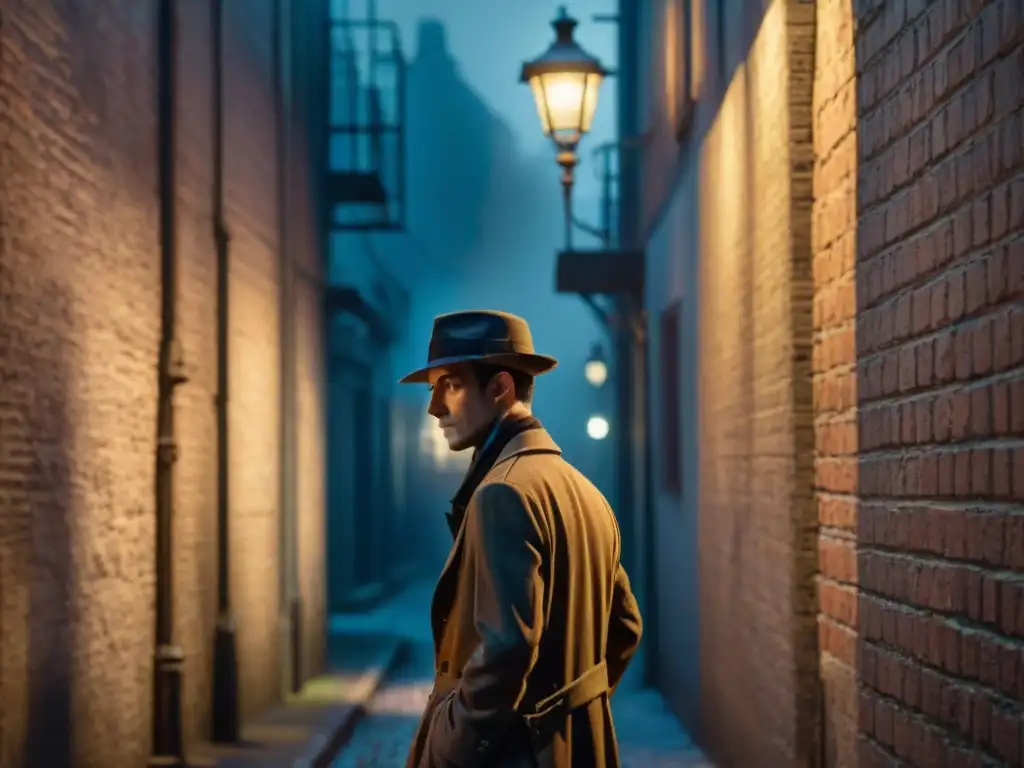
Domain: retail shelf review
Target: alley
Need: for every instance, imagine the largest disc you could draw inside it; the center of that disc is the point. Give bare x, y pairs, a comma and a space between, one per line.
764, 260
649, 736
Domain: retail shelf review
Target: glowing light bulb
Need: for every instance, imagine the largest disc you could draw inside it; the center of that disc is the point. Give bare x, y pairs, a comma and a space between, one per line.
597, 428
595, 372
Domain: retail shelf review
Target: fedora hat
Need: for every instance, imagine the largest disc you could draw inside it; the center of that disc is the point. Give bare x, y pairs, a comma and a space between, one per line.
485, 335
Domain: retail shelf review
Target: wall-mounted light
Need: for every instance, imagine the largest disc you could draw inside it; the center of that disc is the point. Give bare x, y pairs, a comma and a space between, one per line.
595, 370
597, 427
565, 81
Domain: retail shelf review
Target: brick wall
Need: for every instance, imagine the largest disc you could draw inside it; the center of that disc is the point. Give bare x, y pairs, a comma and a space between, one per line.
909, 291
748, 162
756, 502
311, 493
940, 381
835, 372
251, 192
79, 327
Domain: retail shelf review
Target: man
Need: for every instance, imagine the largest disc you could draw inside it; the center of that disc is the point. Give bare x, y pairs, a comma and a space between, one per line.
533, 618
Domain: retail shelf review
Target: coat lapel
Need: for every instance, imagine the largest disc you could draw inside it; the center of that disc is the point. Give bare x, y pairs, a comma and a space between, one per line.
532, 441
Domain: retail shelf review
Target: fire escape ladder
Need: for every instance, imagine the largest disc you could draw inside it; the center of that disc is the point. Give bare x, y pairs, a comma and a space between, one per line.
366, 179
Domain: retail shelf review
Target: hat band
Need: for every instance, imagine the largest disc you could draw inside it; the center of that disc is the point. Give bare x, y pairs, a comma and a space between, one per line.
444, 348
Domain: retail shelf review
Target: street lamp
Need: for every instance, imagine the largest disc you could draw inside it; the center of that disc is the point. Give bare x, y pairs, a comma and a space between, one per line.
595, 370
565, 81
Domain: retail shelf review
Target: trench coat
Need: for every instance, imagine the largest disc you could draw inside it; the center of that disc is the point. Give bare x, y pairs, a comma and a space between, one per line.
533, 620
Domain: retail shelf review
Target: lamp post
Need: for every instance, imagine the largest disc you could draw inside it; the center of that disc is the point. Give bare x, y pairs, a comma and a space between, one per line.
565, 81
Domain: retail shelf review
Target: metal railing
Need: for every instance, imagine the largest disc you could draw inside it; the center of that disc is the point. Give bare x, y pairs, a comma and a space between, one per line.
366, 150
606, 159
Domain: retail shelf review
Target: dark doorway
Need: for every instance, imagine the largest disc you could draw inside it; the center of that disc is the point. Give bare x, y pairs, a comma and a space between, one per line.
352, 540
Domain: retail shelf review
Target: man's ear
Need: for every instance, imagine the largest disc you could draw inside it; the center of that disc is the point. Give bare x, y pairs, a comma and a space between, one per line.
500, 386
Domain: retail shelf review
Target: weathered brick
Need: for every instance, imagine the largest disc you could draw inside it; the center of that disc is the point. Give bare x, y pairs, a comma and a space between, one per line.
973, 342
80, 322
866, 283
916, 366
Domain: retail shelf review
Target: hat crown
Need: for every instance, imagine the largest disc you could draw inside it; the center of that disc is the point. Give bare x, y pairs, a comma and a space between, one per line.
482, 335
479, 332
482, 325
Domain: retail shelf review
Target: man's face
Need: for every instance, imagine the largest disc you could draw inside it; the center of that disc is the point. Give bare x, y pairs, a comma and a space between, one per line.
461, 405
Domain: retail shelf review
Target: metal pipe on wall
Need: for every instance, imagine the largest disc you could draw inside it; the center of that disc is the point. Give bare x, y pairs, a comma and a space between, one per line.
225, 723
168, 748
290, 603
622, 339
642, 455
639, 409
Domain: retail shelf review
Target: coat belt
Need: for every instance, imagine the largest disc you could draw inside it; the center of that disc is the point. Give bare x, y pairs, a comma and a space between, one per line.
544, 716
552, 710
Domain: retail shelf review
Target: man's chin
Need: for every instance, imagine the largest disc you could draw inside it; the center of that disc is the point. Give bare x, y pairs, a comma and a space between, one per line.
458, 444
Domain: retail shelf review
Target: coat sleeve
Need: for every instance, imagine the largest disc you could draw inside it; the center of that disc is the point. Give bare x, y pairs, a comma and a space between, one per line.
503, 548
625, 628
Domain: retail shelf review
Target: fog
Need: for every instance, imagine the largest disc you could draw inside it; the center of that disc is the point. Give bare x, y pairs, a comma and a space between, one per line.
484, 221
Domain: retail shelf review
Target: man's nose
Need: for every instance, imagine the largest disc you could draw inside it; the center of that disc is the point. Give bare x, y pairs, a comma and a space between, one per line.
436, 407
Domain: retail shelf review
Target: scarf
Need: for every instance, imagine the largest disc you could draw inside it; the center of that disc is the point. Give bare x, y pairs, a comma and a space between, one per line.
500, 433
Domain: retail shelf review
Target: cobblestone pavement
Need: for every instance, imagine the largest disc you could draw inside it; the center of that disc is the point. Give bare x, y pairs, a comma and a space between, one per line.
649, 735
383, 736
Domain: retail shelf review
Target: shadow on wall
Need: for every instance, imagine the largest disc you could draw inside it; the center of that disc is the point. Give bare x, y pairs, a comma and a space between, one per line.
51, 635
38, 644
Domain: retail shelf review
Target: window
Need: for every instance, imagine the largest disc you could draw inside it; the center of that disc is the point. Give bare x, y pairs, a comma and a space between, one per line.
682, 66
670, 420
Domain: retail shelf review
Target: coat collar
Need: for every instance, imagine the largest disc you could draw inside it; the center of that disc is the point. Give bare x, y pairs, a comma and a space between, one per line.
531, 441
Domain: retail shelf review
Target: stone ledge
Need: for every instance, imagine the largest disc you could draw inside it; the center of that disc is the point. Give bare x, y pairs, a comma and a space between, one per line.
308, 729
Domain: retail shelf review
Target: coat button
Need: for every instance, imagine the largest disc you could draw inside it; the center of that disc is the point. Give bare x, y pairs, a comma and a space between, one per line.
444, 667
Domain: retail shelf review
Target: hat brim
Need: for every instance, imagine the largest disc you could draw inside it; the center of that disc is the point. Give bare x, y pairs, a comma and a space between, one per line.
532, 364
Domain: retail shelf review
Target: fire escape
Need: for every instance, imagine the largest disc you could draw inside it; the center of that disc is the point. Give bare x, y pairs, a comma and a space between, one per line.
366, 175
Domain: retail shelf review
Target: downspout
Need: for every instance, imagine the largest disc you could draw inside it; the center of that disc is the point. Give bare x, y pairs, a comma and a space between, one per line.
225, 646
635, 475
290, 621
168, 748
629, 215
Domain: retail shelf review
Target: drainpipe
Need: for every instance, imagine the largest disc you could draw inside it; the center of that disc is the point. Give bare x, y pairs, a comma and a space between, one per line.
168, 657
290, 621
225, 645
